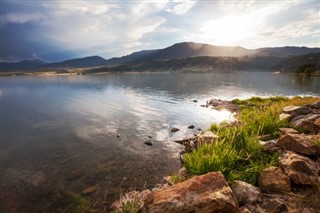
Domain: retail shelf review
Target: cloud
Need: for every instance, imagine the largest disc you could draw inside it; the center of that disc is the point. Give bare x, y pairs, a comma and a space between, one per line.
181, 7
62, 29
21, 18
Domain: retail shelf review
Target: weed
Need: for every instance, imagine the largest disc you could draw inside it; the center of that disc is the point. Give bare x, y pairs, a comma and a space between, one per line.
80, 204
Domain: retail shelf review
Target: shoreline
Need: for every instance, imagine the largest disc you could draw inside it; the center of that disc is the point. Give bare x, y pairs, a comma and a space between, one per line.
270, 176
80, 72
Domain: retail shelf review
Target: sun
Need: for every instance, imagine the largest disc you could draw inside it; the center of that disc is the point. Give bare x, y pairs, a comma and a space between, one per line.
228, 30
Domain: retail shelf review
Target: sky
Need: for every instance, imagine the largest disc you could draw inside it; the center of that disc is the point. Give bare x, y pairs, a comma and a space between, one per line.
55, 30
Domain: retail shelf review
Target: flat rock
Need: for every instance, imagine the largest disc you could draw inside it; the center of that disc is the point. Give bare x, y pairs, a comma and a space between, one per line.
285, 131
298, 143
273, 179
201, 194
246, 193
300, 169
207, 137
297, 110
284, 116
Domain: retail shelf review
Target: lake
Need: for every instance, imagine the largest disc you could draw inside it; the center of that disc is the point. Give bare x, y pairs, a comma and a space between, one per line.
63, 134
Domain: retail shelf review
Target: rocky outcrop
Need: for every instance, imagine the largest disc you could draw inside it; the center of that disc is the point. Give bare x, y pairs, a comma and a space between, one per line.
300, 169
297, 110
205, 193
307, 123
299, 143
273, 179
200, 194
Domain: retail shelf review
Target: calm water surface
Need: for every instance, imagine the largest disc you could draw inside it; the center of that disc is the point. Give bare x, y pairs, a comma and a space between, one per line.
59, 135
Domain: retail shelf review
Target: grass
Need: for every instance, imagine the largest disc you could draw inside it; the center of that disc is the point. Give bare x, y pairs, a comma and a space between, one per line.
177, 179
129, 203
237, 153
80, 204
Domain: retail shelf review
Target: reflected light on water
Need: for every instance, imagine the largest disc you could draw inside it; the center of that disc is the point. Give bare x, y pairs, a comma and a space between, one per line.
224, 115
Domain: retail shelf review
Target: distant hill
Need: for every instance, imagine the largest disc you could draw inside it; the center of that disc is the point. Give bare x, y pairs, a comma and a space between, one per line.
191, 49
196, 64
262, 59
92, 61
292, 64
285, 51
21, 65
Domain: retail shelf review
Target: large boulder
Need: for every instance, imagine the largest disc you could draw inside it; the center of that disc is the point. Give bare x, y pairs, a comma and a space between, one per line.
300, 169
273, 179
307, 123
299, 143
246, 193
200, 194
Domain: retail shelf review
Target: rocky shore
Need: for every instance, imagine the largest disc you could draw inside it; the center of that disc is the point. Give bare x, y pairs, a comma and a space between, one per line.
292, 185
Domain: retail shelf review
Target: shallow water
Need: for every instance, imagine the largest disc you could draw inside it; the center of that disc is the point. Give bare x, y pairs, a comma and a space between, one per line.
59, 134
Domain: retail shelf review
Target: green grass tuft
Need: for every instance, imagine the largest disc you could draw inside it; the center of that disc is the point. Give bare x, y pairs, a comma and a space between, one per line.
80, 204
237, 153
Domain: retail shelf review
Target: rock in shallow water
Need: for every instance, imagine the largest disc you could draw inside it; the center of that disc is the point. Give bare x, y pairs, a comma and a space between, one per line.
174, 129
149, 143
191, 127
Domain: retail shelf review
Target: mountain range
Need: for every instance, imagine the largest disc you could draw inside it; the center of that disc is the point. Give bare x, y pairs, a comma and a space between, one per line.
186, 55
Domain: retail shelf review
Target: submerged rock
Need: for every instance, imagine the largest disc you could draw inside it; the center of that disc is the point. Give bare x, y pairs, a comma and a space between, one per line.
191, 127
174, 129
149, 143
201, 194
89, 190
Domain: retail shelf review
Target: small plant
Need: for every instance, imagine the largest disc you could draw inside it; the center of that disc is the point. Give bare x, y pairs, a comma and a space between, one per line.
80, 204
129, 203
177, 179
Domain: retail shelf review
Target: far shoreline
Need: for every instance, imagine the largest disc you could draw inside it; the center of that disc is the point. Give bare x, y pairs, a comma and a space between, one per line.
82, 72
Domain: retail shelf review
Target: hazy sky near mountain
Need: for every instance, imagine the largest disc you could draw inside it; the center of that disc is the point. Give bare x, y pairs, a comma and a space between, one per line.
57, 30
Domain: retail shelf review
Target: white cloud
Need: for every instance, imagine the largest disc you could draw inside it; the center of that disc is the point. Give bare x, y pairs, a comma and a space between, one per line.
181, 7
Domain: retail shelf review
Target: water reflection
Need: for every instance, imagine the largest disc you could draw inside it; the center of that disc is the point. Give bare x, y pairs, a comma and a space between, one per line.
56, 126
